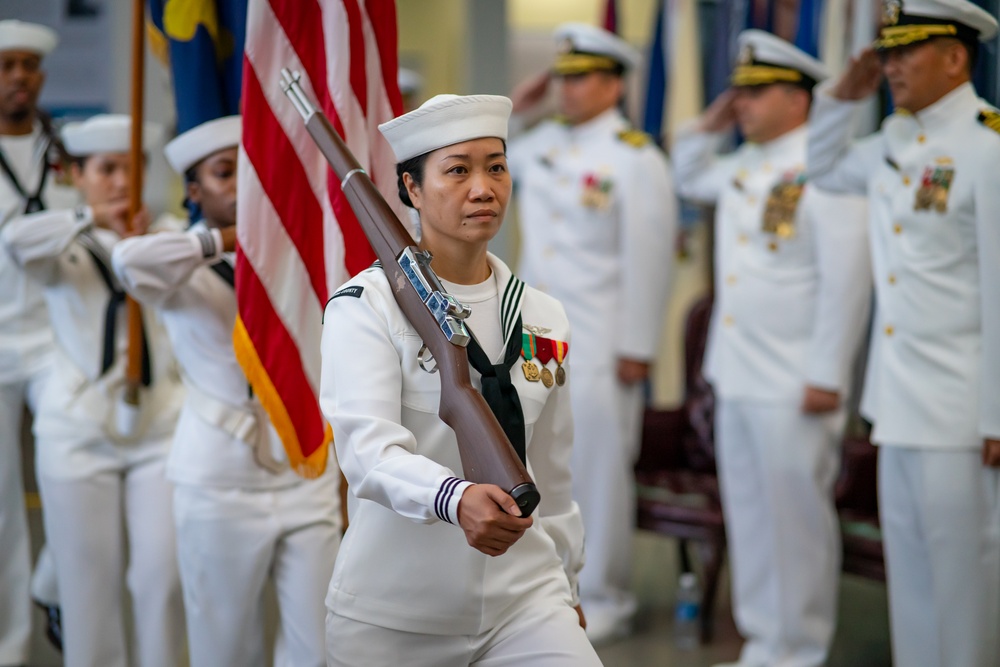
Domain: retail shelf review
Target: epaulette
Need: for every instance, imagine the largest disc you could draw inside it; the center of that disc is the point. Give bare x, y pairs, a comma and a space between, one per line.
635, 138
990, 119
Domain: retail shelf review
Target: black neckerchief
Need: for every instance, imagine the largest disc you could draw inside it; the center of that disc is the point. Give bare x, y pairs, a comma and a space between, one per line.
117, 298
33, 202
498, 390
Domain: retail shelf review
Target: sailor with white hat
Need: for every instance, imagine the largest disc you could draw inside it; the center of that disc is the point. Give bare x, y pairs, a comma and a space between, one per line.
243, 515
792, 295
96, 478
434, 568
598, 215
932, 389
29, 167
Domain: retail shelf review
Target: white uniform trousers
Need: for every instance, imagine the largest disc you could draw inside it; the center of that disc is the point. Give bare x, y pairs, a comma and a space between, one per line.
231, 541
606, 422
777, 467
940, 514
15, 543
89, 541
541, 634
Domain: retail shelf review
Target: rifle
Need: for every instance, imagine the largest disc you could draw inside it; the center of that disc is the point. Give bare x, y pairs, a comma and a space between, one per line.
487, 455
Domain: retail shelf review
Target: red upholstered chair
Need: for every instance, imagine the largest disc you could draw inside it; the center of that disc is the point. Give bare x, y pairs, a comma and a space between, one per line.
857, 506
678, 491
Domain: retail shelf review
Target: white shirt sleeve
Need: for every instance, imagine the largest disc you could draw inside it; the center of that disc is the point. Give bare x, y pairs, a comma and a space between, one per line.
153, 266
647, 230
549, 461
987, 203
840, 224
833, 161
700, 172
359, 395
36, 241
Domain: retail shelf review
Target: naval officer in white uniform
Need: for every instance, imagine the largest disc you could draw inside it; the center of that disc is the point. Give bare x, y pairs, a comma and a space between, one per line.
598, 217
792, 297
101, 465
30, 163
933, 385
434, 570
243, 516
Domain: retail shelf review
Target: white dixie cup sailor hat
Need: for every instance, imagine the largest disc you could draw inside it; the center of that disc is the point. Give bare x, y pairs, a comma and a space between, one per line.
21, 36
191, 147
444, 120
106, 133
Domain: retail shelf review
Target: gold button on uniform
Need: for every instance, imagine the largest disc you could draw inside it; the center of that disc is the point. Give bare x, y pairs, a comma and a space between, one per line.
897, 228
892, 278
921, 138
772, 246
742, 239
728, 320
906, 180
751, 200
889, 330
730, 279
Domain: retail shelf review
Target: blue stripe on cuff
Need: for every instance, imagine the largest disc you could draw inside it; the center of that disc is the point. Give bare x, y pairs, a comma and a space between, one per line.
443, 498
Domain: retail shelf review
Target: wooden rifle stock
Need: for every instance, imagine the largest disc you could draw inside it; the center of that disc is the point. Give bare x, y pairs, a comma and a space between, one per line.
487, 455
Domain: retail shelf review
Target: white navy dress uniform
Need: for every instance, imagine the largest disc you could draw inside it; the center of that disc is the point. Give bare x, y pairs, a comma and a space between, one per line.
932, 388
102, 489
243, 516
792, 297
27, 182
598, 218
406, 583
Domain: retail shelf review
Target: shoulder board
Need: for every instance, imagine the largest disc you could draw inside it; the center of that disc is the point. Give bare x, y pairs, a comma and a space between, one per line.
635, 138
990, 119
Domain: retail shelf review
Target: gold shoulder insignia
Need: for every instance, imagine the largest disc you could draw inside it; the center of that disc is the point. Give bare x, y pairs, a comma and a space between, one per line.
635, 138
990, 119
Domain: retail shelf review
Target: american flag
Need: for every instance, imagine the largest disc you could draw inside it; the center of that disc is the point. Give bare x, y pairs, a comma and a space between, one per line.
298, 239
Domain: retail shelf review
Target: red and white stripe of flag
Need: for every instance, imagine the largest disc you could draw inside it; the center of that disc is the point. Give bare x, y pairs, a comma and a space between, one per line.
298, 238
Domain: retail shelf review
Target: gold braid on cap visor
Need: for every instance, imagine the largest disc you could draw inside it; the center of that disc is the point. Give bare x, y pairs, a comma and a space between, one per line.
581, 63
890, 37
759, 75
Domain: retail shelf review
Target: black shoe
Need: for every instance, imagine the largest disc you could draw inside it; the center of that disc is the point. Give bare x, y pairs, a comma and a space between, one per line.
53, 623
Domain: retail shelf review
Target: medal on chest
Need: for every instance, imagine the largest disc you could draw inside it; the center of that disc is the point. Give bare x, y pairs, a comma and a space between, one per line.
528, 367
935, 184
782, 204
596, 192
534, 346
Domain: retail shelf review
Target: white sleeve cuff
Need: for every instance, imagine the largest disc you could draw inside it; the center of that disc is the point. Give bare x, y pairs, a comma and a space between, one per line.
448, 496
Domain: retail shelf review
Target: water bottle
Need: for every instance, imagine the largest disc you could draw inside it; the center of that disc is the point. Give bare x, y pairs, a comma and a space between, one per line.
687, 630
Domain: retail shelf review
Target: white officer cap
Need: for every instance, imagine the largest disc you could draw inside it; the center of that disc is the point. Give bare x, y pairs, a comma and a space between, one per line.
915, 21
585, 48
106, 133
765, 58
188, 149
409, 81
21, 36
444, 120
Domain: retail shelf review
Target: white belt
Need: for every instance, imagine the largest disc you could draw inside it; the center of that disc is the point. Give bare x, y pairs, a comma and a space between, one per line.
239, 423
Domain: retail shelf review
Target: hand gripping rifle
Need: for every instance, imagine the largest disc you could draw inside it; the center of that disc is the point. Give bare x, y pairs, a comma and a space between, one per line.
487, 455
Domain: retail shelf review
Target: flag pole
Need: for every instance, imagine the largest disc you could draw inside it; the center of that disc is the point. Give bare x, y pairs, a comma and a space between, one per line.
133, 370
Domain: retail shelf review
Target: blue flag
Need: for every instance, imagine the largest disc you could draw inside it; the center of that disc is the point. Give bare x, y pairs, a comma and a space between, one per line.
810, 23
656, 84
204, 40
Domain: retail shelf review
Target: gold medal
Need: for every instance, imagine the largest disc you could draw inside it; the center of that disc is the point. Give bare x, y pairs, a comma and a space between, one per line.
547, 378
560, 376
531, 373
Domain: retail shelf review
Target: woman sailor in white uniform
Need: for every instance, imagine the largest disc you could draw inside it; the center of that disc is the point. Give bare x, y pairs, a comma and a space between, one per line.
101, 465
243, 516
435, 570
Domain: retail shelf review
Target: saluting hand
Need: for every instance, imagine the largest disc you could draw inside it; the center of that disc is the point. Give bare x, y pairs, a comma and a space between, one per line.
720, 115
991, 453
818, 401
491, 519
861, 78
530, 92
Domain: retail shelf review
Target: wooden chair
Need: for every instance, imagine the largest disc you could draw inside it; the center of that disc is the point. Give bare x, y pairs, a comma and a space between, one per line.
857, 507
678, 491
